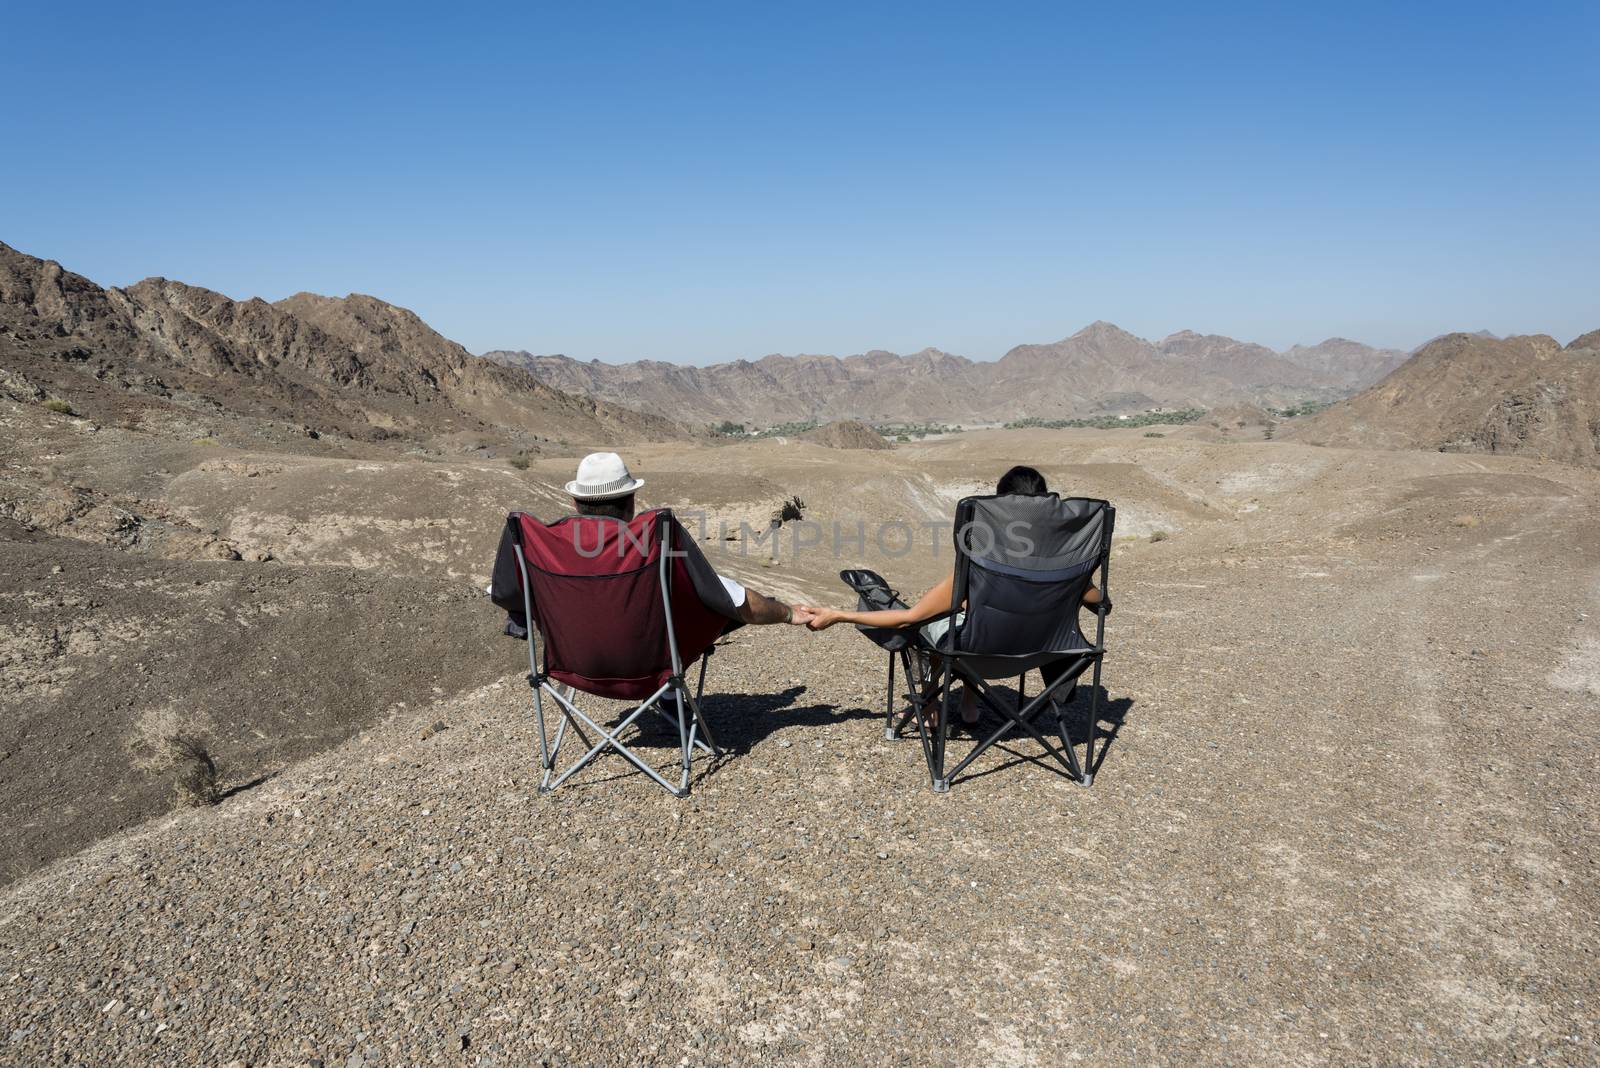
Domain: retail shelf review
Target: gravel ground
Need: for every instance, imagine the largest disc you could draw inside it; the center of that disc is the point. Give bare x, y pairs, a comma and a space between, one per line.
1346, 816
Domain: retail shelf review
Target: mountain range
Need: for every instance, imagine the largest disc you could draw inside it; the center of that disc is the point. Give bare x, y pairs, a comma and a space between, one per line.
163, 351
1101, 368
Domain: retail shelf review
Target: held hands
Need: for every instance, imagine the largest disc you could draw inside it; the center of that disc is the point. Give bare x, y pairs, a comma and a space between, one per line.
812, 617
818, 618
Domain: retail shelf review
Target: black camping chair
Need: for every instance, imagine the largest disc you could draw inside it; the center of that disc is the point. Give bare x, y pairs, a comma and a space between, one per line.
1022, 566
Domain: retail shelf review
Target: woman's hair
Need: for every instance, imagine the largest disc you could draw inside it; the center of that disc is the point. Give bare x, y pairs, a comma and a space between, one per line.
1023, 482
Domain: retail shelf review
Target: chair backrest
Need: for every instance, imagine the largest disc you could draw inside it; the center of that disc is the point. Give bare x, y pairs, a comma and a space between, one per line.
601, 592
1023, 564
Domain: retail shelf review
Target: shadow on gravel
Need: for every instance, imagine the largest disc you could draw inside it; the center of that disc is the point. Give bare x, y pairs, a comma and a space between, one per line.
741, 720
259, 780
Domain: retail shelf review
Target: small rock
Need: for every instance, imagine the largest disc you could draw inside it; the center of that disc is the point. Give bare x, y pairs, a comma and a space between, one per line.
434, 728
56, 569
221, 550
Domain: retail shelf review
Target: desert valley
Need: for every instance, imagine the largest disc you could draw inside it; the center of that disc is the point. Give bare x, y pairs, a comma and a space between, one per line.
1344, 812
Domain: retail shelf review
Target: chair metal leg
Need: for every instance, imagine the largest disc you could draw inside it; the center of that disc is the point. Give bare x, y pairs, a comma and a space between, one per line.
941, 783
1023, 718
1094, 726
538, 712
686, 746
612, 739
889, 732
572, 715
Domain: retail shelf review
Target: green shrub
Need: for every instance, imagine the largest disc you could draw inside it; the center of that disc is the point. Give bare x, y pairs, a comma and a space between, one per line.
906, 431
788, 430
1158, 535
1154, 434
519, 461
1295, 411
1111, 422
59, 406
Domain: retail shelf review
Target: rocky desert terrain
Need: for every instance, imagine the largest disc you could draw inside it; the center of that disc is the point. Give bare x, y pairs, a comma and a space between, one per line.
1344, 812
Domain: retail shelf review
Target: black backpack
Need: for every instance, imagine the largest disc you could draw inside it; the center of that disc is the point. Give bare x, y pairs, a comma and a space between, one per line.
873, 594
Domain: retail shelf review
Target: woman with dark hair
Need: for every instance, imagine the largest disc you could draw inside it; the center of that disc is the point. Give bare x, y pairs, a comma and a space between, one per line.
1019, 481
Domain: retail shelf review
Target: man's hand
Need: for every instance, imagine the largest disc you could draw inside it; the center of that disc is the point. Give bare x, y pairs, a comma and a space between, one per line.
801, 615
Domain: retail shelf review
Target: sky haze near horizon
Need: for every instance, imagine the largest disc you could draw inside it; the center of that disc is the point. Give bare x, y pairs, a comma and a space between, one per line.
716, 181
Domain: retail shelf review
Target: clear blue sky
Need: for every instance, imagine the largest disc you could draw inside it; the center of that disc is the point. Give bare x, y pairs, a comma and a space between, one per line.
713, 181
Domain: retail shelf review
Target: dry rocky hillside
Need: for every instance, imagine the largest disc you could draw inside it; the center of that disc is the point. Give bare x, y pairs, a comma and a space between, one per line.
163, 351
1468, 392
1101, 368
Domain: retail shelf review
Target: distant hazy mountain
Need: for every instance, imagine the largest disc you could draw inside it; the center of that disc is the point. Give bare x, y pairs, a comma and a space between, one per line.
1475, 393
355, 365
1362, 364
1100, 368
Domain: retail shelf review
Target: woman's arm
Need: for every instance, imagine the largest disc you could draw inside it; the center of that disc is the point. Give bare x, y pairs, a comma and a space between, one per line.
933, 603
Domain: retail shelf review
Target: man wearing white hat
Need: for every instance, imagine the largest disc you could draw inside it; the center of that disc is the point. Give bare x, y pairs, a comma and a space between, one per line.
605, 486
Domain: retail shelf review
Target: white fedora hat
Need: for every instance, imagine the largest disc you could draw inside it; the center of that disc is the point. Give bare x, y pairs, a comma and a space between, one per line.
602, 476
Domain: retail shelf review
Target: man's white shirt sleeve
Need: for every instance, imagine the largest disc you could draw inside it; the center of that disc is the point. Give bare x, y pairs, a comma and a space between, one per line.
736, 592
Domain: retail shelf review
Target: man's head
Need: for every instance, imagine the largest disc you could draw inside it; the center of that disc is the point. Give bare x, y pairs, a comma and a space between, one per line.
604, 486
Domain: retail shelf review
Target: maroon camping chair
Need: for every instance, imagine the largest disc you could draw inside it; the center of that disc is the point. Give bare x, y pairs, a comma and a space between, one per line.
614, 607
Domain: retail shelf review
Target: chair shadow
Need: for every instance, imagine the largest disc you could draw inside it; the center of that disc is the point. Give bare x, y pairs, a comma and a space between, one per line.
739, 722
742, 721
1112, 712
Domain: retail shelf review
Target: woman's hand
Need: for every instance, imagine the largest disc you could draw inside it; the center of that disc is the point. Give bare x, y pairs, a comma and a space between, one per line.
823, 618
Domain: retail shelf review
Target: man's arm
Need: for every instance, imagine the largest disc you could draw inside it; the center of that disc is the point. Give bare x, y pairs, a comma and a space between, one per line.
759, 609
